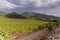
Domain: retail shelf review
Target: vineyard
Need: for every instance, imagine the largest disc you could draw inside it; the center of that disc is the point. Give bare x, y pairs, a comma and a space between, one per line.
19, 25
10, 26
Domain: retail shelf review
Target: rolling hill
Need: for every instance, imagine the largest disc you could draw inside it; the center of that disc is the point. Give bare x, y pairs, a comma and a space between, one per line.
31, 15
40, 16
2, 12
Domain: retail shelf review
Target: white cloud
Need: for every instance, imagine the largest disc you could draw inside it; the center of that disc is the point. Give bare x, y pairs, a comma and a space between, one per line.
37, 3
6, 4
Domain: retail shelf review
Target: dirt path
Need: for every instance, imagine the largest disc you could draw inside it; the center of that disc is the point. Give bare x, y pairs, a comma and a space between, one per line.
38, 35
33, 36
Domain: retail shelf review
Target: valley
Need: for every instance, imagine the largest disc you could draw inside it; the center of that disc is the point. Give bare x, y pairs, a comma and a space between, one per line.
27, 26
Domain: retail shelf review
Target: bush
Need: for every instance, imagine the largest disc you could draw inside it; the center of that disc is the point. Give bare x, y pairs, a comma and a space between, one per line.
41, 27
50, 27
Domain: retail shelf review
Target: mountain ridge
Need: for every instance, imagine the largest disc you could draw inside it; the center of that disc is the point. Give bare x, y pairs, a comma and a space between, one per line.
39, 15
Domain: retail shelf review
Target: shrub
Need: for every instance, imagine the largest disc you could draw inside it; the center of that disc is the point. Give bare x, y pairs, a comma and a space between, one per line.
50, 27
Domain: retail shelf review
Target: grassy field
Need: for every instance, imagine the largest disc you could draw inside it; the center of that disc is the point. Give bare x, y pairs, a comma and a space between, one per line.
18, 25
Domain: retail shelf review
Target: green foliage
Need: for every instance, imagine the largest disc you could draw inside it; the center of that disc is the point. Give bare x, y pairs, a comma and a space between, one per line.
3, 35
51, 25
50, 28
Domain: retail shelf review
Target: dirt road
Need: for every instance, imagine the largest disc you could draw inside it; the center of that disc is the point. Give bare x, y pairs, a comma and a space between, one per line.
33, 36
38, 35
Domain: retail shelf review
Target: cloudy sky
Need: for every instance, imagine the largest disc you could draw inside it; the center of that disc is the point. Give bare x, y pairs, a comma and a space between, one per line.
51, 7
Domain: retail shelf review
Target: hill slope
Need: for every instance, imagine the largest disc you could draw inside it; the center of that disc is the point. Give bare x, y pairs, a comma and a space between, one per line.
2, 12
40, 16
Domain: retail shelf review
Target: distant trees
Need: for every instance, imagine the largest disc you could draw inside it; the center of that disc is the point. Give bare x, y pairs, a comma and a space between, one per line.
15, 15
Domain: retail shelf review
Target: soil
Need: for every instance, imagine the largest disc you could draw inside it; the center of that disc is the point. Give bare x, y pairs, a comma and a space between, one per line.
42, 34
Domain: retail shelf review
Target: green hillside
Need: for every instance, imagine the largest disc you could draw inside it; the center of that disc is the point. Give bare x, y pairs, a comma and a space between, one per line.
39, 16
32, 15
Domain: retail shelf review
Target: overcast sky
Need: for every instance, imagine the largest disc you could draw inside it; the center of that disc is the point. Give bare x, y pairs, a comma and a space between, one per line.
51, 7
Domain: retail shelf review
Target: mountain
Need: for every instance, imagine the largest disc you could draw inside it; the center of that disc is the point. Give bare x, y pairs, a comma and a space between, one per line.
2, 12
39, 16
32, 15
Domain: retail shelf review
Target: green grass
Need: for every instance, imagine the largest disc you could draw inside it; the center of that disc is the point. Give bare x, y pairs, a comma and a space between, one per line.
19, 25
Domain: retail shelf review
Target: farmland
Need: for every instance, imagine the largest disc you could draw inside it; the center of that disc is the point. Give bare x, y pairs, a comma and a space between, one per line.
18, 25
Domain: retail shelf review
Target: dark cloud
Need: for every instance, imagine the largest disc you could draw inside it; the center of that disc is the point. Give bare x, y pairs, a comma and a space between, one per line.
43, 6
